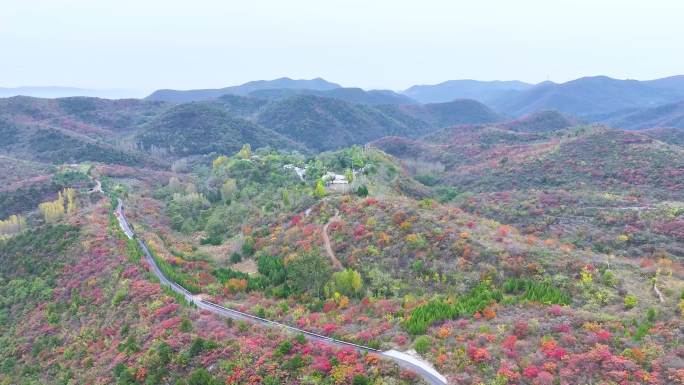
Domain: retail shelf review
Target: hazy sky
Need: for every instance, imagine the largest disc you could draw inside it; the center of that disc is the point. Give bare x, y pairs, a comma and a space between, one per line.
150, 44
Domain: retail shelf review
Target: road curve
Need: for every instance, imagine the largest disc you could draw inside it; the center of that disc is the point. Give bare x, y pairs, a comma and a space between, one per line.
337, 265
405, 361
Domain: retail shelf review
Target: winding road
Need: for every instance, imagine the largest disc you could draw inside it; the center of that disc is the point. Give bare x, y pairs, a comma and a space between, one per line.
326, 239
405, 361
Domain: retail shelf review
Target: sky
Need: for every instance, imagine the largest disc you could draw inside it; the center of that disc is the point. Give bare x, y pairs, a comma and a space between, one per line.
145, 45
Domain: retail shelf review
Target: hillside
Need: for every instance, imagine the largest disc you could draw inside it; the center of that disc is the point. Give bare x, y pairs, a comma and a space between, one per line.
541, 121
587, 96
596, 187
351, 95
668, 115
447, 114
482, 91
201, 128
324, 124
667, 135
57, 146
178, 96
95, 117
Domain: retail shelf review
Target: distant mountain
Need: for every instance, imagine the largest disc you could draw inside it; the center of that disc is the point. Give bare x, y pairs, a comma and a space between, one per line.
351, 95
325, 124
178, 96
672, 82
62, 92
668, 115
438, 115
543, 121
591, 95
483, 91
202, 128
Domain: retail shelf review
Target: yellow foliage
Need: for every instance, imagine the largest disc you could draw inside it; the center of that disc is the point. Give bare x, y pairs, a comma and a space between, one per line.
219, 161
12, 225
54, 210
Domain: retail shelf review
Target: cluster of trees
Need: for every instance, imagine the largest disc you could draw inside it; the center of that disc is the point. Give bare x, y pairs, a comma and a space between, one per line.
12, 225
65, 203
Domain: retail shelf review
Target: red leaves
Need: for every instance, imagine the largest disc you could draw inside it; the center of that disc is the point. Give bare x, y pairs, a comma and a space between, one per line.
329, 328
322, 364
165, 310
478, 354
531, 371
347, 356
170, 323
296, 220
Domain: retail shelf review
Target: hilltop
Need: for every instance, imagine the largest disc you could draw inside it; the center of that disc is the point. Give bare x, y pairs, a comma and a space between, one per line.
590, 95
483, 91
178, 96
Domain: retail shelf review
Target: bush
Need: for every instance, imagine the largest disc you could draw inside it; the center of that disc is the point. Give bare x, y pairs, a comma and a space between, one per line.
542, 292
362, 191
475, 300
284, 348
202, 377
235, 258
422, 344
248, 246
360, 379
630, 301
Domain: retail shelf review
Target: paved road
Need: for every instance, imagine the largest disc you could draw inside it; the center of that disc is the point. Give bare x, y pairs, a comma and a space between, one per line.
405, 361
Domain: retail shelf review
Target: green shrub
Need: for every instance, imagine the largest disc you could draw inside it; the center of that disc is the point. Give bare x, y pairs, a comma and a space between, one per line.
284, 348
534, 291
422, 344
630, 301
360, 379
235, 258
119, 296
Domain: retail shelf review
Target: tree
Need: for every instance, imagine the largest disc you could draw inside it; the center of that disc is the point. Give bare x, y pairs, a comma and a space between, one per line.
228, 189
308, 273
362, 191
201, 377
319, 191
12, 225
349, 175
69, 193
286, 198
54, 209
347, 282
219, 161
245, 152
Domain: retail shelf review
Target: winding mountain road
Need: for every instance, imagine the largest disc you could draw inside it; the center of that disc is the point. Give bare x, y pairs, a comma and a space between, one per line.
326, 240
405, 361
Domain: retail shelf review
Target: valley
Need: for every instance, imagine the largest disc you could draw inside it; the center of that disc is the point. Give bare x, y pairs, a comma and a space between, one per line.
301, 232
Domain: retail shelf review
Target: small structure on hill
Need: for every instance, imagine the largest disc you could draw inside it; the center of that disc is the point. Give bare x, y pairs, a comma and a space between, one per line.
330, 178
301, 172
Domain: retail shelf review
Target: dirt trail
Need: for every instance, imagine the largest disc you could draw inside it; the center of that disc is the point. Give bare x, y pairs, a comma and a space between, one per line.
337, 265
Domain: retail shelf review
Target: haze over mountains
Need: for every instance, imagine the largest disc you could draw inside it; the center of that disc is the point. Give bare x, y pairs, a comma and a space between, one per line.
317, 115
594, 99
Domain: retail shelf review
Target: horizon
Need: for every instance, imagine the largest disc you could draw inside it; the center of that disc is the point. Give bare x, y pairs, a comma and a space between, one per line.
139, 94
159, 45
